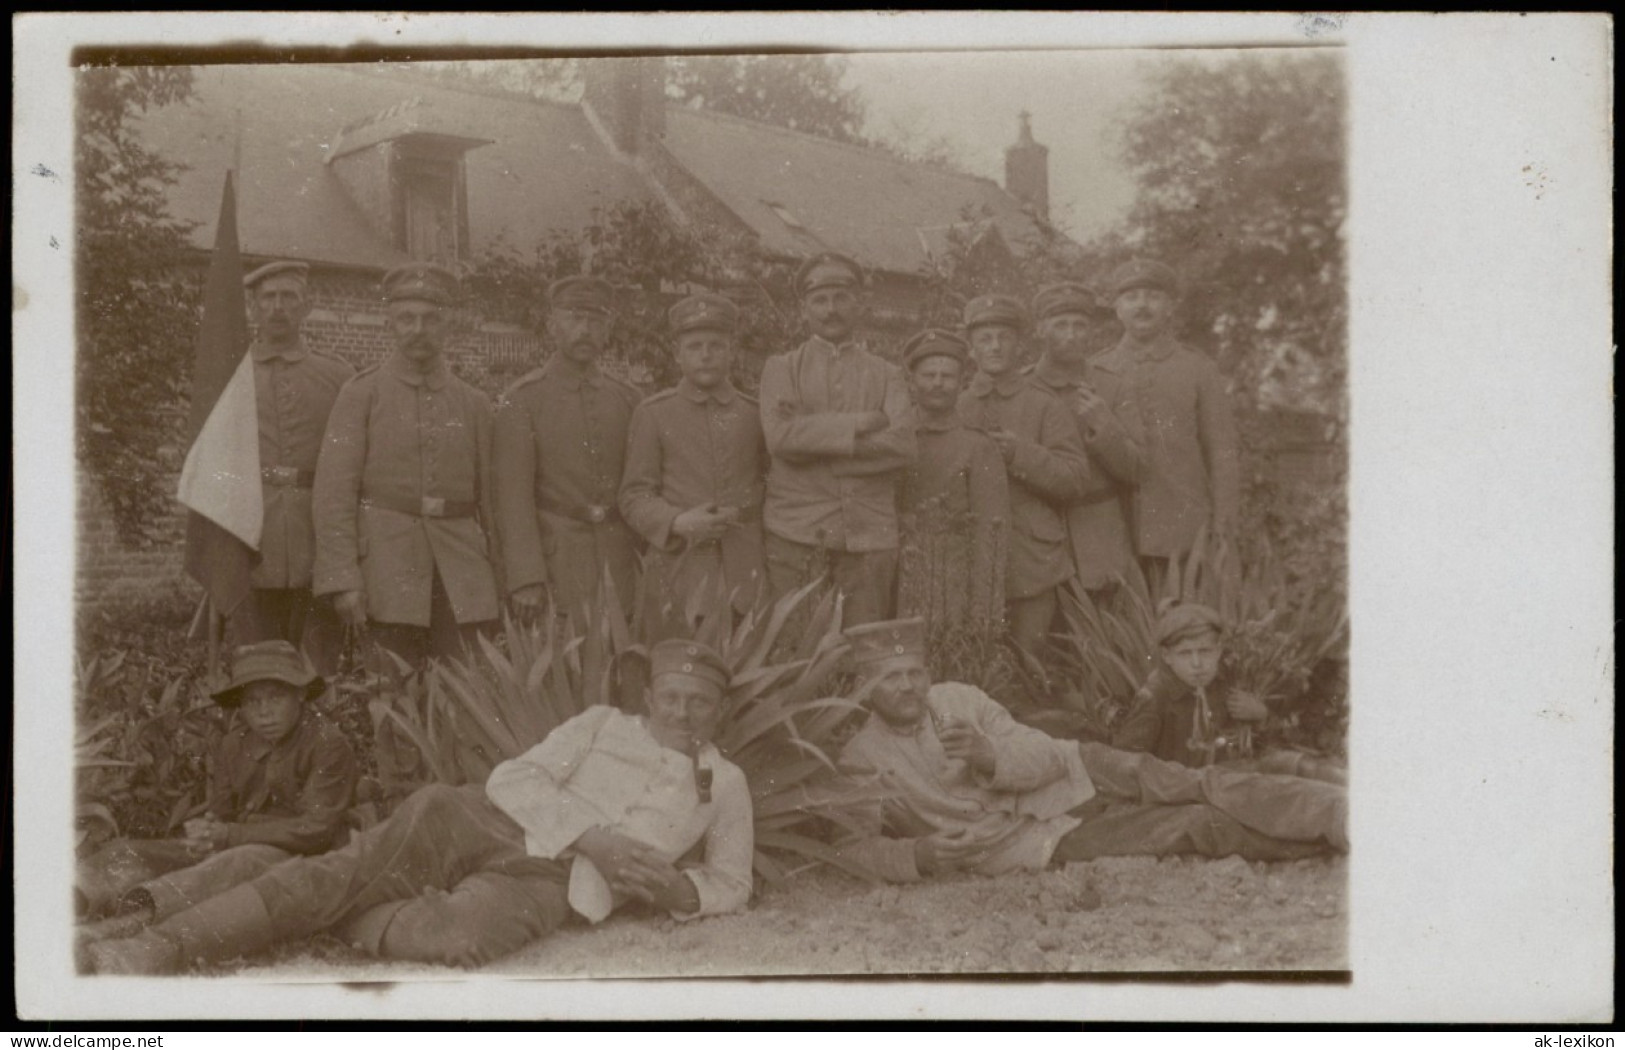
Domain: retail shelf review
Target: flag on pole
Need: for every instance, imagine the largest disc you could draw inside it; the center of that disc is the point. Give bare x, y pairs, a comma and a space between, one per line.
220, 481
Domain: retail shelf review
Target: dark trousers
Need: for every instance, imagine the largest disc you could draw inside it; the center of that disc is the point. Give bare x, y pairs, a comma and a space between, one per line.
293, 615
445, 879
173, 875
1030, 619
868, 579
444, 638
1146, 806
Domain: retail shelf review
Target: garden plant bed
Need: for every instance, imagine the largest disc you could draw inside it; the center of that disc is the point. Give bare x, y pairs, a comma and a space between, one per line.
1180, 914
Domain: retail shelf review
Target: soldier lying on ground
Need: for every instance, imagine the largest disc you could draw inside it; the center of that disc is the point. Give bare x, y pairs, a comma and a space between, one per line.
596, 815
280, 781
976, 791
1175, 718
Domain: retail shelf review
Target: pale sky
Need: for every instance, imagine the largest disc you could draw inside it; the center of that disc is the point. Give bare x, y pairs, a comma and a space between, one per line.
973, 98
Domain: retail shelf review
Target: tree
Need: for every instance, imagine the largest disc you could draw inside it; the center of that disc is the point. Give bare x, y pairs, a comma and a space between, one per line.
801, 92
136, 306
1240, 168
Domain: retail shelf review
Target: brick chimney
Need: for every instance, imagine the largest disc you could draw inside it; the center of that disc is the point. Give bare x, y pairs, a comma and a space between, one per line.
1026, 170
627, 97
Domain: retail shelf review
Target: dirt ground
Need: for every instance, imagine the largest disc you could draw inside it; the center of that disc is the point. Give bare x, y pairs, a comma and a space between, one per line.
1119, 914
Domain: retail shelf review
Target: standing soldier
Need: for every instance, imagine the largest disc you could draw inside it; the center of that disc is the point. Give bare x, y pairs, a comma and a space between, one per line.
294, 391
1192, 475
560, 446
694, 464
955, 500
1042, 454
840, 430
1070, 322
403, 487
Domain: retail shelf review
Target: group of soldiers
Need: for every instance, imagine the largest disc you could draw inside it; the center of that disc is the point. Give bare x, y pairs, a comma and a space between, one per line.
962, 485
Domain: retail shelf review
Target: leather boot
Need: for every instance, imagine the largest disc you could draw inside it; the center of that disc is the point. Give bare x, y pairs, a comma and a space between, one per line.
225, 926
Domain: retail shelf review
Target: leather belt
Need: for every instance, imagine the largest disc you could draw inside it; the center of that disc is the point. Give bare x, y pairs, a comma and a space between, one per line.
427, 507
587, 513
288, 477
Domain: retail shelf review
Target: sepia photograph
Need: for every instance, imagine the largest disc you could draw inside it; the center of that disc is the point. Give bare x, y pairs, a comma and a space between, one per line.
685, 513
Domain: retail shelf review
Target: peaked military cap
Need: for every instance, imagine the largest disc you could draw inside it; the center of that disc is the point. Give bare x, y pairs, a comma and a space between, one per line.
680, 656
1144, 273
828, 270
423, 281
282, 268
995, 309
273, 661
583, 294
888, 638
1178, 621
707, 310
934, 342
1067, 297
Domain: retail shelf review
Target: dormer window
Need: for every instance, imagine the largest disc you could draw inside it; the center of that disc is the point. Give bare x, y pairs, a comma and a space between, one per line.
404, 169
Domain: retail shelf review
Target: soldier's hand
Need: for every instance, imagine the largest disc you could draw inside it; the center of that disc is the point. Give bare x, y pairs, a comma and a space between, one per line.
351, 607
630, 866
965, 742
1245, 707
1090, 405
530, 597
699, 524
872, 423
1006, 442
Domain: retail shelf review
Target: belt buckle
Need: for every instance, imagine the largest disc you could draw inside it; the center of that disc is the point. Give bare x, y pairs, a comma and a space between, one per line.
284, 475
434, 507
596, 513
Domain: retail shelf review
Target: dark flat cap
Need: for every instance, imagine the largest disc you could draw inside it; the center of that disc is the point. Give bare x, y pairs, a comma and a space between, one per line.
828, 270
995, 309
274, 661
1175, 623
888, 638
423, 281
1068, 297
582, 294
934, 342
707, 311
679, 656
1143, 273
283, 268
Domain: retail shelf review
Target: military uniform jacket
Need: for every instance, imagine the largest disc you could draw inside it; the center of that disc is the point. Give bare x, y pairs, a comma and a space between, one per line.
1098, 524
292, 794
1048, 473
1192, 472
396, 439
691, 448
820, 491
294, 391
560, 446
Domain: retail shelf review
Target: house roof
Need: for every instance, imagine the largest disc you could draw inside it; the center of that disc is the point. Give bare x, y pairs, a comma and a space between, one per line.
544, 168
878, 208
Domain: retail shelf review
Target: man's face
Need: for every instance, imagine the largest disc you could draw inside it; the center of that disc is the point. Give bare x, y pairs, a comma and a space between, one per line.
271, 709
280, 308
419, 329
996, 347
1145, 312
1194, 660
705, 357
935, 383
684, 711
1071, 339
898, 688
831, 312
580, 335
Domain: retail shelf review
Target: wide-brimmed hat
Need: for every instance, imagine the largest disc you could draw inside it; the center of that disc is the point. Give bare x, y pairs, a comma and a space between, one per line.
275, 661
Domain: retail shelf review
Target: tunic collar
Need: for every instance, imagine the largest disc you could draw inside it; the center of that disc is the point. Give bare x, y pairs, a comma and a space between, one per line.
267, 352
1053, 375
435, 378
573, 376
723, 393
1159, 350
938, 426
1006, 384
825, 346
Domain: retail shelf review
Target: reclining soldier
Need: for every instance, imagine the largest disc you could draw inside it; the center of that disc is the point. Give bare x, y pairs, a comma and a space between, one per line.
603, 812
975, 790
